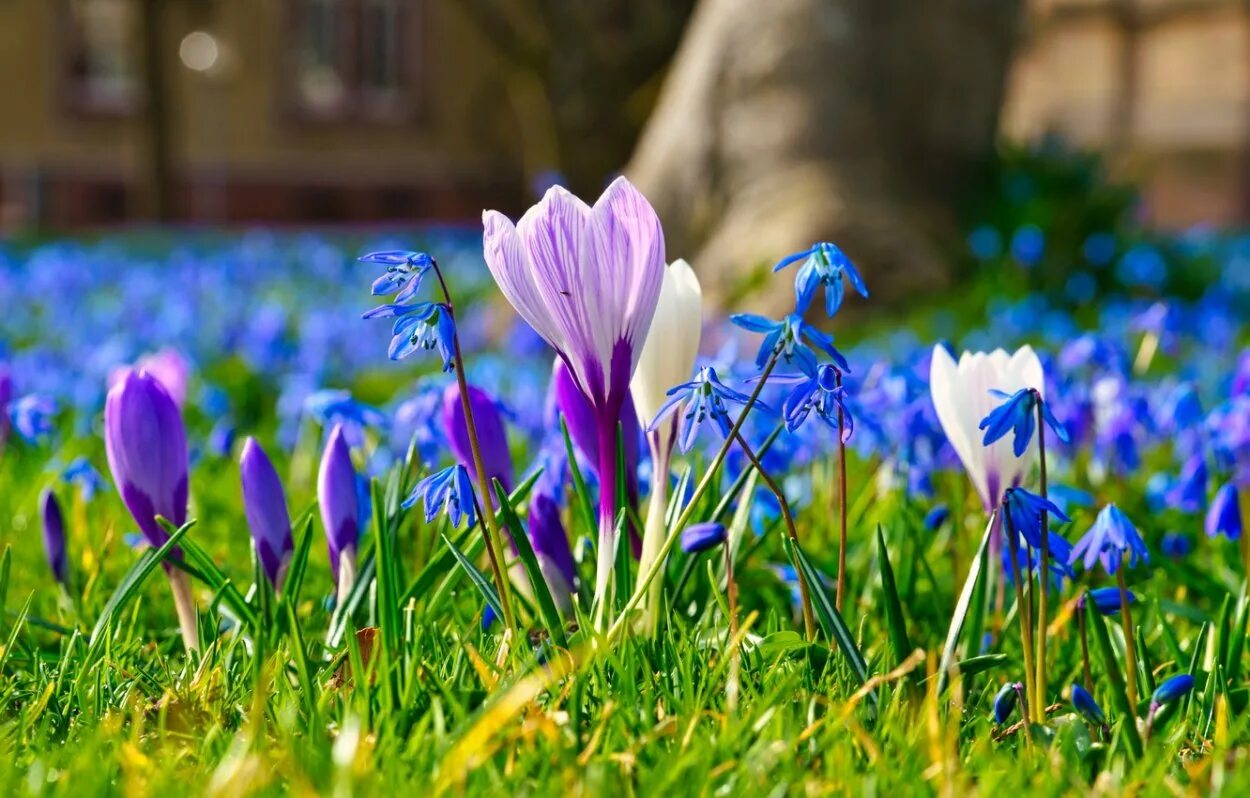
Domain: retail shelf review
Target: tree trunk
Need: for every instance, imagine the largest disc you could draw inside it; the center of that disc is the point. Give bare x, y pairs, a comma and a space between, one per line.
854, 121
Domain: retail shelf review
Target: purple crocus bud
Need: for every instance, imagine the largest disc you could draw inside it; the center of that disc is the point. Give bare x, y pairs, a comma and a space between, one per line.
336, 492
264, 502
147, 452
491, 435
580, 418
54, 535
551, 546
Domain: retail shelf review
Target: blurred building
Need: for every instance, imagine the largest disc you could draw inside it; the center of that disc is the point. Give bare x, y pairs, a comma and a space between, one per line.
269, 110
1161, 85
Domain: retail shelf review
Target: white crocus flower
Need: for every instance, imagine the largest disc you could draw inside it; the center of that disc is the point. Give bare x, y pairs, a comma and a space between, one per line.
667, 359
962, 398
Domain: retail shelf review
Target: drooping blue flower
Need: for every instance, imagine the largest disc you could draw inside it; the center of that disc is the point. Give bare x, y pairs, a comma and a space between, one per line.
450, 490
332, 406
702, 398
404, 270
818, 388
1005, 701
701, 537
1176, 545
787, 336
823, 264
1059, 550
1170, 690
1224, 515
1086, 706
1110, 538
1189, 493
1024, 512
82, 473
425, 325
1018, 412
1105, 599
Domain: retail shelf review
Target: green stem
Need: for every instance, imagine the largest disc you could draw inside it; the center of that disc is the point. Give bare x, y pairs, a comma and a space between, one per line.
1044, 576
842, 502
1130, 647
1026, 634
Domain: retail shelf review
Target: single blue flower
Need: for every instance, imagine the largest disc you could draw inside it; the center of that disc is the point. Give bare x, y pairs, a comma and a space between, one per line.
1024, 513
823, 264
425, 325
1189, 493
1110, 538
1005, 702
1087, 707
1028, 244
701, 537
1176, 545
404, 270
32, 417
936, 517
1172, 689
1019, 412
1105, 599
818, 388
450, 490
703, 397
82, 473
1224, 515
1059, 551
787, 336
336, 406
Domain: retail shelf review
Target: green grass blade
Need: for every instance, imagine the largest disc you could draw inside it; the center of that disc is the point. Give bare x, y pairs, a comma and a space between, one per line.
1119, 691
133, 581
827, 613
893, 606
477, 577
581, 495
960, 617
293, 582
542, 593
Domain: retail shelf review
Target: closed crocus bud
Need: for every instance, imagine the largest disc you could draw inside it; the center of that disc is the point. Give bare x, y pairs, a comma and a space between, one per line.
147, 452
672, 344
701, 537
54, 535
336, 493
1005, 702
492, 436
147, 455
1086, 706
551, 546
264, 503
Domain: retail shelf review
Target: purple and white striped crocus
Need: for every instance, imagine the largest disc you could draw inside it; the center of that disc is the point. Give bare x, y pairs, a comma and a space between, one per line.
492, 437
587, 280
264, 503
53, 523
336, 494
147, 455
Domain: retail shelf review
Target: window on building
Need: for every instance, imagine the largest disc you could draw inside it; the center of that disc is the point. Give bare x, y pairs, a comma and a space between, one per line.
99, 55
352, 59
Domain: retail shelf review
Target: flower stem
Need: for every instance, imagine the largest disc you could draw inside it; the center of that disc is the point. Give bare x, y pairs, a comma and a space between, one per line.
841, 502
619, 625
1080, 620
653, 532
1130, 647
1044, 576
184, 605
809, 622
491, 528
1026, 634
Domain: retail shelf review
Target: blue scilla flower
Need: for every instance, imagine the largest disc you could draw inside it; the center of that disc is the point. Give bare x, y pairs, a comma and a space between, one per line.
1028, 244
1005, 701
1086, 706
425, 325
823, 264
1060, 550
83, 474
1170, 690
1189, 493
936, 517
1018, 412
31, 417
449, 490
1110, 538
818, 388
336, 406
404, 270
787, 336
1105, 599
1176, 545
1024, 512
705, 397
1099, 248
1224, 515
